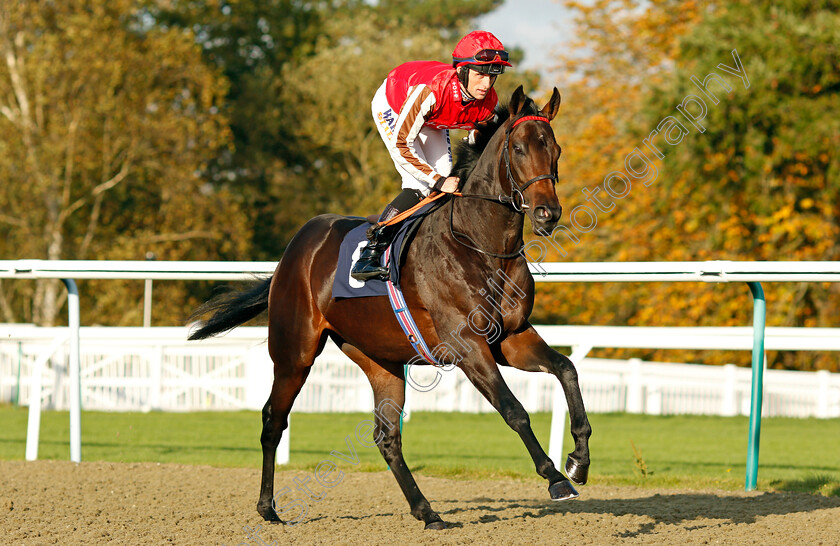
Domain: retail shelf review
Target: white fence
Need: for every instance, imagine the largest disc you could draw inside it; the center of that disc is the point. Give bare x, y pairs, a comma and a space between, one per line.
142, 369
711, 271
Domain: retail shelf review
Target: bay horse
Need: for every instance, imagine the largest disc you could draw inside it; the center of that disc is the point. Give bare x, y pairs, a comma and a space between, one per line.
466, 256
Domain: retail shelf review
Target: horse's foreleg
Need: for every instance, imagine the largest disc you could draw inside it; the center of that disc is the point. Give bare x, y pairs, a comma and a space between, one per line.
275, 419
484, 374
527, 351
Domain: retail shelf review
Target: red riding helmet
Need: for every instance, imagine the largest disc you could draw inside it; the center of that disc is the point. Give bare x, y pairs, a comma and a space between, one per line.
482, 51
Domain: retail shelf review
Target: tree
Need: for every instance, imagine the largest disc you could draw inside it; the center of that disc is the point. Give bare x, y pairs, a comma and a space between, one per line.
759, 183
251, 42
624, 47
328, 96
301, 78
449, 16
105, 125
770, 176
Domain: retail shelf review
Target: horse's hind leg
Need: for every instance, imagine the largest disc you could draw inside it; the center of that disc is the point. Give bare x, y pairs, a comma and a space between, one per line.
275, 419
293, 346
389, 399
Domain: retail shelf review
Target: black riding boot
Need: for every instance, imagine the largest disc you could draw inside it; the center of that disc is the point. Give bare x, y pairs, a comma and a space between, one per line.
379, 237
369, 266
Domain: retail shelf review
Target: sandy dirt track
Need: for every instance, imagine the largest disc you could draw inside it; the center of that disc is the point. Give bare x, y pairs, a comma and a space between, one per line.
52, 502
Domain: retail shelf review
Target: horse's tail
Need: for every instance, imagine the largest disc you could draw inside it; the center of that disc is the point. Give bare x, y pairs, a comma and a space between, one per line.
231, 309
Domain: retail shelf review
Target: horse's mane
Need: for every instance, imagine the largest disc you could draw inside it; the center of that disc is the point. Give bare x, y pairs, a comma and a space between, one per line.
467, 154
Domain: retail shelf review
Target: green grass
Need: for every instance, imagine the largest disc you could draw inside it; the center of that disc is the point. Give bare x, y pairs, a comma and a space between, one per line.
214, 438
678, 451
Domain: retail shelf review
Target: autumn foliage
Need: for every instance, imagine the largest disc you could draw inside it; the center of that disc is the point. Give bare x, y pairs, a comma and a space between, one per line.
759, 182
212, 130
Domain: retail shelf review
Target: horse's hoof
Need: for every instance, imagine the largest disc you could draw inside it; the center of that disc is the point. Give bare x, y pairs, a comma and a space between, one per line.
269, 514
577, 472
436, 526
562, 491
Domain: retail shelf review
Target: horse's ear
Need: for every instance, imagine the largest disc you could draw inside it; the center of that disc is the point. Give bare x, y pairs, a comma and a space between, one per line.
517, 101
550, 110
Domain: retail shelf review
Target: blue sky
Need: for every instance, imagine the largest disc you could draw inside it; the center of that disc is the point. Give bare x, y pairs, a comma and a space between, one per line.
539, 27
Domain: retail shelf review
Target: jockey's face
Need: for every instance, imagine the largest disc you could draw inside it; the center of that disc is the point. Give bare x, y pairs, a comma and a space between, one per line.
479, 84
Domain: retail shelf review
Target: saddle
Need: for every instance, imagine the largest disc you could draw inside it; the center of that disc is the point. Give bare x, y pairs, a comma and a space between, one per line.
345, 286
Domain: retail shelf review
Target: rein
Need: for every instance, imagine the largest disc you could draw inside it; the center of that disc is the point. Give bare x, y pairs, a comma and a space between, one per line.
511, 200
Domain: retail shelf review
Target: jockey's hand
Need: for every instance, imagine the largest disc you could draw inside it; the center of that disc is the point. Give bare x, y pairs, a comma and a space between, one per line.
450, 185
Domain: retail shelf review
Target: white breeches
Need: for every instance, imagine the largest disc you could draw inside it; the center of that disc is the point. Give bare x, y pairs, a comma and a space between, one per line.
431, 145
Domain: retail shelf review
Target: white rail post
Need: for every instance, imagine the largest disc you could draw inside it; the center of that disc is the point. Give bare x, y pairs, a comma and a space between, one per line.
147, 303
33, 426
729, 407
283, 448
759, 363
823, 377
635, 401
75, 372
558, 411
33, 429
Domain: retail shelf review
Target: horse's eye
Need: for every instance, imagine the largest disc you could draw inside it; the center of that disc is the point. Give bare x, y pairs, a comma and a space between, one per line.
517, 149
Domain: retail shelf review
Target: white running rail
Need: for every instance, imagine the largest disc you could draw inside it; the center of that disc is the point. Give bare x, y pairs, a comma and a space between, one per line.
710, 271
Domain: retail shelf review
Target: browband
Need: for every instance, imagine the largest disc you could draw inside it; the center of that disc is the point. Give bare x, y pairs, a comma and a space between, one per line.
528, 118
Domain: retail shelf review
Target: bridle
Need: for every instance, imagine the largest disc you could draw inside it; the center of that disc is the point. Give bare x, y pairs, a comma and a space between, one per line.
516, 189
515, 200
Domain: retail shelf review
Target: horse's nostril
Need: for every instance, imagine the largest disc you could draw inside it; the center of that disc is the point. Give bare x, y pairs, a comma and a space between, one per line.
542, 213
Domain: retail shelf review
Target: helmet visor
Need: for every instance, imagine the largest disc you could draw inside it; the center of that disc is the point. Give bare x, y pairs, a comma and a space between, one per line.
491, 69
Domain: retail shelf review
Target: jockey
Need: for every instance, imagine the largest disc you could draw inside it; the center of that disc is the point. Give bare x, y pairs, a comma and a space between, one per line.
414, 109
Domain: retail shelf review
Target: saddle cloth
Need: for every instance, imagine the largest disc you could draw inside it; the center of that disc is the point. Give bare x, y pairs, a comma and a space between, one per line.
346, 286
